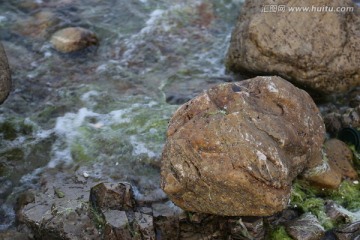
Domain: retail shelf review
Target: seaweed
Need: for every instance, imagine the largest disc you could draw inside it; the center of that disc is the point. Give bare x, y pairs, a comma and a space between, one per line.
279, 233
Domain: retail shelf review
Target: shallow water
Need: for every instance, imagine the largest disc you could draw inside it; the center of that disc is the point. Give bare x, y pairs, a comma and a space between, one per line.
103, 111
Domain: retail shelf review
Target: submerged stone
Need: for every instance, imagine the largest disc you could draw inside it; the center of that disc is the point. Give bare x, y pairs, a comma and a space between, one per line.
322, 57
5, 77
235, 149
73, 39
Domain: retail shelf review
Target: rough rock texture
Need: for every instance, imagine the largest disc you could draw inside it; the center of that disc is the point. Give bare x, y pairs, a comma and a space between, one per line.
235, 149
60, 210
335, 121
112, 196
338, 165
73, 39
340, 157
5, 77
336, 213
306, 227
316, 50
348, 232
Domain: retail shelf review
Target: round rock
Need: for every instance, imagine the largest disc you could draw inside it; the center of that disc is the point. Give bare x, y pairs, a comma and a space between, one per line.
5, 77
235, 149
317, 49
73, 39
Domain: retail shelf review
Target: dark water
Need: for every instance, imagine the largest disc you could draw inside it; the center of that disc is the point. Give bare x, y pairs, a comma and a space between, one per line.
104, 110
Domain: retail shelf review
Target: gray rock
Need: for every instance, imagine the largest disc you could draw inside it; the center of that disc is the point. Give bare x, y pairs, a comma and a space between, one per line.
247, 228
5, 77
335, 121
318, 51
117, 225
306, 227
144, 225
167, 220
235, 149
350, 231
67, 218
336, 213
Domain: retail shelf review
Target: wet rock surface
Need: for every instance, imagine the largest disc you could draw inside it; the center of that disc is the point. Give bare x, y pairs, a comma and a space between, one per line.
73, 39
278, 43
112, 196
60, 210
340, 158
349, 231
235, 149
338, 165
5, 77
70, 212
306, 227
338, 119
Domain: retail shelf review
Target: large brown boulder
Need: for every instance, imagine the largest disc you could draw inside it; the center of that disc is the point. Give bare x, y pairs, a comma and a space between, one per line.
319, 51
5, 77
235, 149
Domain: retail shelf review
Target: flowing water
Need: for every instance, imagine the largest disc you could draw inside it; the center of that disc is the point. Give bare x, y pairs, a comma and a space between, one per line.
103, 112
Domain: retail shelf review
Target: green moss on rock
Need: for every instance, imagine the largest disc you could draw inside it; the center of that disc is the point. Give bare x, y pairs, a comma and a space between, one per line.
279, 233
348, 195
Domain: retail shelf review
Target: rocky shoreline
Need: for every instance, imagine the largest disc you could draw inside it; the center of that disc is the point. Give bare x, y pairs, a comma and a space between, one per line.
71, 204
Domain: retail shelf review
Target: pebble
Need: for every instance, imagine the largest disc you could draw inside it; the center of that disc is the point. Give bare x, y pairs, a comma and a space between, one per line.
73, 39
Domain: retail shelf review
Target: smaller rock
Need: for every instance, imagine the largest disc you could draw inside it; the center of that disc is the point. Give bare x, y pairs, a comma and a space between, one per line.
340, 158
117, 225
337, 165
306, 227
354, 98
23, 199
351, 117
112, 196
348, 232
5, 77
333, 123
73, 39
247, 227
37, 25
166, 218
335, 213
143, 226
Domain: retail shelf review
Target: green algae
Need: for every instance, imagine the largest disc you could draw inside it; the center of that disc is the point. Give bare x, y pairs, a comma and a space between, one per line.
307, 198
304, 198
348, 195
278, 233
12, 128
131, 129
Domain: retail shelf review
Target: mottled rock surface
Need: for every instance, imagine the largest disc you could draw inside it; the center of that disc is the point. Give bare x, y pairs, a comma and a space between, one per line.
340, 157
338, 164
73, 39
112, 196
316, 50
5, 77
306, 227
348, 232
335, 121
235, 149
